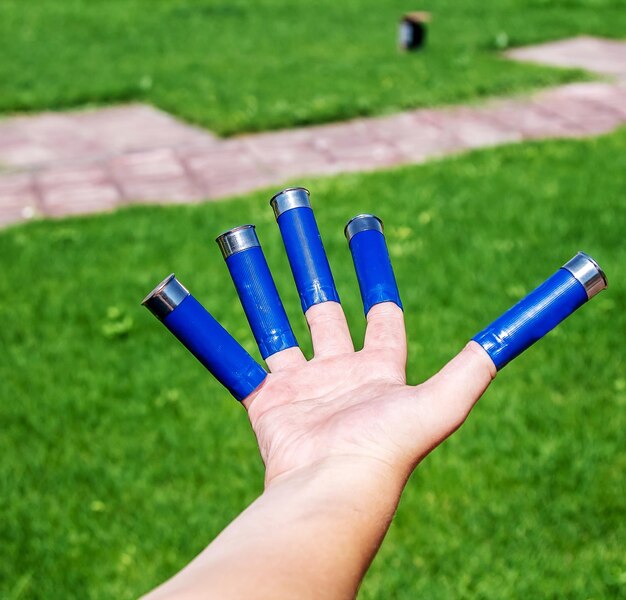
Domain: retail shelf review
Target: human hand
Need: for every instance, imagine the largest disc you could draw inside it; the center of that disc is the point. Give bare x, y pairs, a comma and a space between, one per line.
356, 405
340, 433
344, 402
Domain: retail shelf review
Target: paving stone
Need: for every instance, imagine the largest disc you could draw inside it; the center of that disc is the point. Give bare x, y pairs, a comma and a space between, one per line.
275, 140
343, 139
138, 126
380, 156
65, 177
598, 55
415, 136
43, 139
149, 166
26, 154
15, 182
288, 153
76, 190
81, 199
34, 141
220, 188
155, 175
601, 98
473, 127
322, 150
528, 119
227, 166
582, 116
229, 156
163, 191
353, 146
617, 99
350, 145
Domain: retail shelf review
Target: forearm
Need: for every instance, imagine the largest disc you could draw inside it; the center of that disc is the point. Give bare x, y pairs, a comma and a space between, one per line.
311, 534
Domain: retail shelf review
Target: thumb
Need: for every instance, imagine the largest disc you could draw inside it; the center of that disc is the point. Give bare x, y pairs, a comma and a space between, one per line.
455, 389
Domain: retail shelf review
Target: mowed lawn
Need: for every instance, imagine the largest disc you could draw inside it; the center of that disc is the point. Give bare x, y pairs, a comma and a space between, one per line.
120, 457
236, 66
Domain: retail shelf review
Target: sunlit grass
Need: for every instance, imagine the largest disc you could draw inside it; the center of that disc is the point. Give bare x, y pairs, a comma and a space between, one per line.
240, 66
120, 457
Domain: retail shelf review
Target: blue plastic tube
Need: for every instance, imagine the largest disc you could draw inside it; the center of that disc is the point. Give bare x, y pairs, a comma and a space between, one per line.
256, 289
304, 248
374, 272
542, 310
205, 338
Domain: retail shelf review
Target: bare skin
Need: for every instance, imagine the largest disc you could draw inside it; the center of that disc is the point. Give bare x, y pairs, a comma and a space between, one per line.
339, 435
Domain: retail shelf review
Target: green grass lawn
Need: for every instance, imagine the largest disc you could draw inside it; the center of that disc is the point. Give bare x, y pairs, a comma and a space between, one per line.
120, 458
239, 66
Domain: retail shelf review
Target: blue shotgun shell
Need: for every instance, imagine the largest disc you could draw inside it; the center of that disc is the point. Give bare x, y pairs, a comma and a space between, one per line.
205, 338
374, 272
304, 248
542, 310
257, 291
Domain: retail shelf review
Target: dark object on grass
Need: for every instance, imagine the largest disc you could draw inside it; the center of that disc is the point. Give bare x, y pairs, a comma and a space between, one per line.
412, 30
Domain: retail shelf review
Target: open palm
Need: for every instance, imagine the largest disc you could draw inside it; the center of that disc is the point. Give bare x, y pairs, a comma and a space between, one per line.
357, 404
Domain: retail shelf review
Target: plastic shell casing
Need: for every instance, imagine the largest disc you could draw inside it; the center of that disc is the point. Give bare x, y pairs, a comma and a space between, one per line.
215, 348
260, 300
541, 310
205, 338
372, 264
305, 252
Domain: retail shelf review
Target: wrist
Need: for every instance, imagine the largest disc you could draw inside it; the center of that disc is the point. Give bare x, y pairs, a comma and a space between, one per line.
345, 472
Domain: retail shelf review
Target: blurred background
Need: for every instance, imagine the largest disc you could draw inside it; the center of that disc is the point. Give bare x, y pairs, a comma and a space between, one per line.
120, 457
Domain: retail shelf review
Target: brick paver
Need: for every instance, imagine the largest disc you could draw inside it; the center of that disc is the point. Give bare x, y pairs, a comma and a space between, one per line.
57, 164
597, 55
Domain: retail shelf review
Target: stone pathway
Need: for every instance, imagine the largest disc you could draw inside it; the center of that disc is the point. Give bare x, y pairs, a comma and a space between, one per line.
607, 57
58, 164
